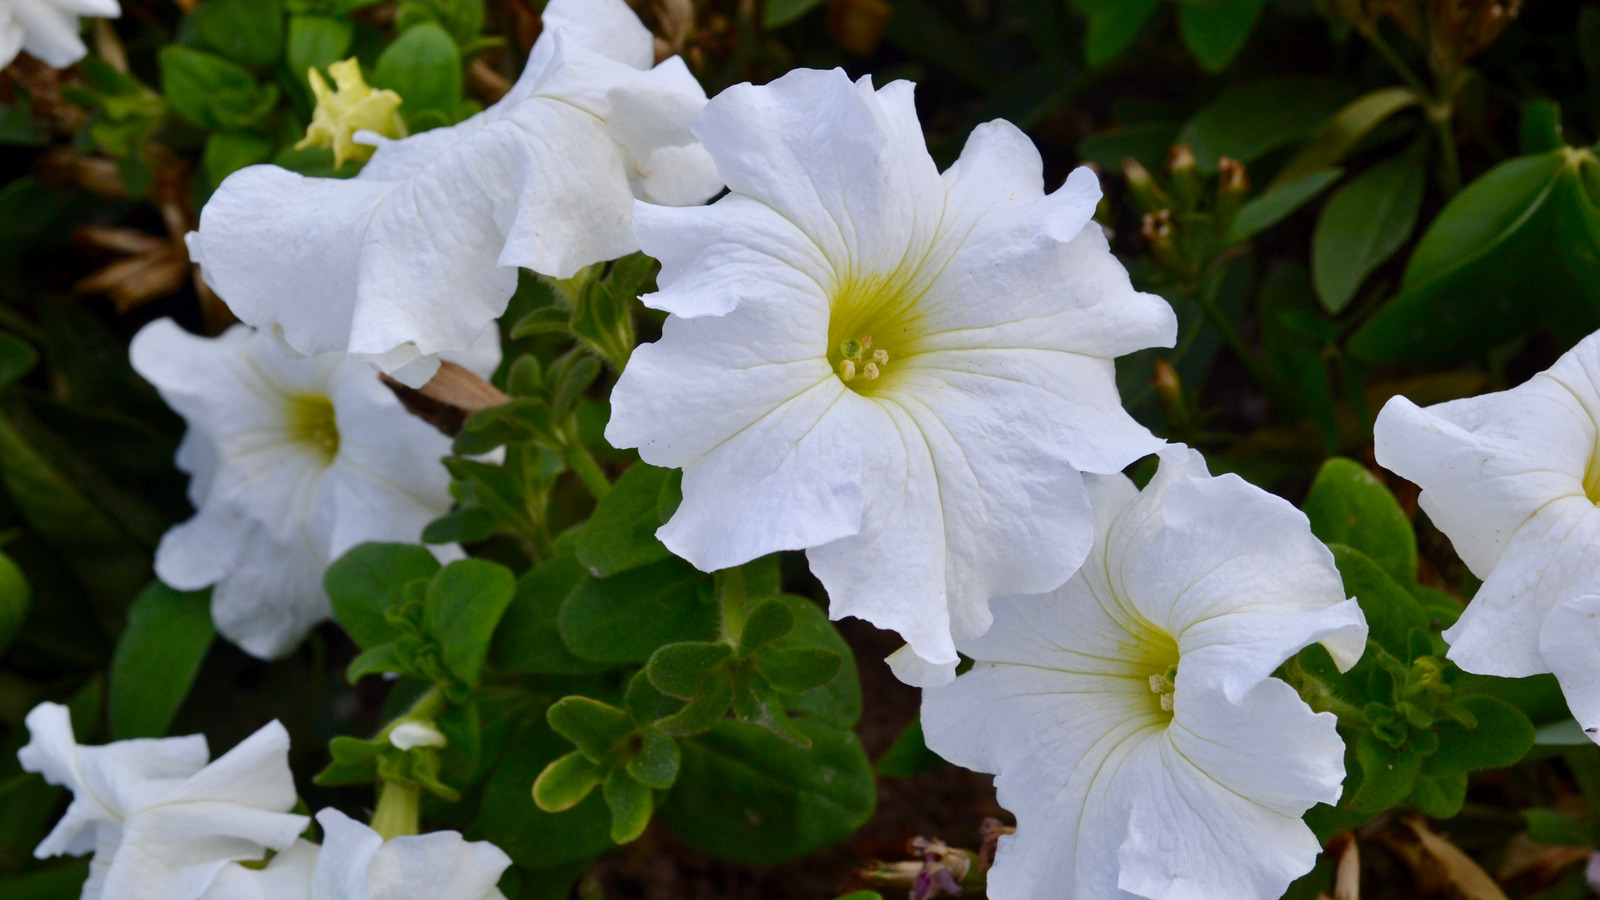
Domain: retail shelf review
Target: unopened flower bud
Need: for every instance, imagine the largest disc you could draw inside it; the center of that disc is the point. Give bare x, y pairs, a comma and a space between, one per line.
410, 735
1184, 174
1147, 194
1233, 183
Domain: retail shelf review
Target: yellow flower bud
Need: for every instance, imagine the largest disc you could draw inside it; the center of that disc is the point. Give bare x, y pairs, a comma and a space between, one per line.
353, 107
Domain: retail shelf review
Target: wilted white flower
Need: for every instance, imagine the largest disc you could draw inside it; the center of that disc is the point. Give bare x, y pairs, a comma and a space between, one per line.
356, 863
48, 29
418, 254
1131, 717
1512, 478
901, 372
160, 822
294, 460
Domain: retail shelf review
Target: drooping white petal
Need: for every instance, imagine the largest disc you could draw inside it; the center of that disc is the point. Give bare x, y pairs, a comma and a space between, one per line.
51, 32
286, 876
1567, 642
990, 311
418, 254
358, 864
12, 36
1130, 717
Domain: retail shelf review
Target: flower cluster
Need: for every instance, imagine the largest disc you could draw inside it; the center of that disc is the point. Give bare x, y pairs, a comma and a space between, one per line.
908, 374
164, 824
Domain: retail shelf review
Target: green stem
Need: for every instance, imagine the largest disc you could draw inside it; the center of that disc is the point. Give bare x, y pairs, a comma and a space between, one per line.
1440, 114
399, 811
1258, 370
582, 462
731, 599
1395, 62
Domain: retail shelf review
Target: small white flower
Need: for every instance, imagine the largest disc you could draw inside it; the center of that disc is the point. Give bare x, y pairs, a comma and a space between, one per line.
1512, 478
418, 254
1131, 717
356, 863
903, 373
48, 29
160, 822
294, 461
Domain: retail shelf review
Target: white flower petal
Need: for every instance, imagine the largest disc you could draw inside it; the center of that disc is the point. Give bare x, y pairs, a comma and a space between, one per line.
918, 672
348, 848
1567, 641
52, 32
273, 595
357, 864
286, 876
12, 37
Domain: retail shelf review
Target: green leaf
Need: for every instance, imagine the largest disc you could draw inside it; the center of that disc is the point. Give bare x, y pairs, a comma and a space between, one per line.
542, 321
317, 41
158, 656
1146, 142
229, 151
1541, 127
656, 764
384, 659
1215, 32
1390, 609
424, 67
837, 703
593, 726
624, 618
1387, 775
211, 91
1548, 826
527, 640
249, 31
746, 796
566, 782
770, 621
1113, 24
54, 883
1502, 737
513, 822
1348, 505
1439, 796
1253, 119
700, 714
680, 670
15, 599
631, 804
17, 358
1363, 224
1512, 250
1344, 131
1277, 203
465, 602
797, 669
466, 525
369, 579
778, 13
909, 755
621, 534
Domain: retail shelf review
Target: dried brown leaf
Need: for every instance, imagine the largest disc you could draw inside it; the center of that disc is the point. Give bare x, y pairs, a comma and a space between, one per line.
1453, 865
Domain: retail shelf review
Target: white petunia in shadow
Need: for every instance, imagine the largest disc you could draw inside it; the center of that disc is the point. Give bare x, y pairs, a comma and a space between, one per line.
418, 254
901, 372
160, 821
294, 460
48, 29
1131, 717
356, 863
1513, 479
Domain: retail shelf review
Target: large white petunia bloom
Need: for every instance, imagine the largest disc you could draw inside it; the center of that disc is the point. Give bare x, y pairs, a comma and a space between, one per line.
902, 372
1131, 716
1567, 643
294, 461
159, 820
356, 863
1513, 479
418, 254
48, 29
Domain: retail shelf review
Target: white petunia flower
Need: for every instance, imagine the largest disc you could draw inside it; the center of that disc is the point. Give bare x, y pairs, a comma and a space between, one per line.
294, 461
356, 863
1131, 717
48, 29
418, 254
159, 820
1513, 479
902, 372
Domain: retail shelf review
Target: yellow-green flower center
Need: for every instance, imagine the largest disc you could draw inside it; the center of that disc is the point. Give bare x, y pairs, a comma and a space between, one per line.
312, 422
873, 323
1154, 655
1591, 476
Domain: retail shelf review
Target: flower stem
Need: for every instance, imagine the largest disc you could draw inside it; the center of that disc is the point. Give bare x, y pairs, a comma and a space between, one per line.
1259, 373
399, 811
582, 462
731, 599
